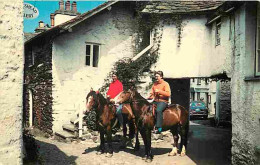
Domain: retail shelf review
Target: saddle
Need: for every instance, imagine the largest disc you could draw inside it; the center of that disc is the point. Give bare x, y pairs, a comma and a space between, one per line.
154, 106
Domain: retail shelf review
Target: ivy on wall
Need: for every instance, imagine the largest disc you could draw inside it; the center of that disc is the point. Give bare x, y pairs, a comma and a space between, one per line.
129, 72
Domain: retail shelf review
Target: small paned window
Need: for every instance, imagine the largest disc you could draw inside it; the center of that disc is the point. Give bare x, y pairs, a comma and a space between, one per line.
92, 54
218, 29
198, 81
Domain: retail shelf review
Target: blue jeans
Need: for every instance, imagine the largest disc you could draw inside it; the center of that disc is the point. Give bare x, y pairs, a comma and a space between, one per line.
119, 113
159, 113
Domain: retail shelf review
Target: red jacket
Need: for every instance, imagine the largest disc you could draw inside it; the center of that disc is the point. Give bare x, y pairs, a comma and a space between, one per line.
114, 89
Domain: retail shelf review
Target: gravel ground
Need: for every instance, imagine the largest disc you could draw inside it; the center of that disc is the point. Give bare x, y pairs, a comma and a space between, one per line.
207, 145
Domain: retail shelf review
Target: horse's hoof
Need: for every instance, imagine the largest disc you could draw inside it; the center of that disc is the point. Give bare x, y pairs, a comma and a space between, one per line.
183, 154
109, 155
172, 154
144, 158
99, 152
148, 160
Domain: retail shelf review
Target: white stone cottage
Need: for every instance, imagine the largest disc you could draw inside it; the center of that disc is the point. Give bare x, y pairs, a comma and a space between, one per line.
196, 39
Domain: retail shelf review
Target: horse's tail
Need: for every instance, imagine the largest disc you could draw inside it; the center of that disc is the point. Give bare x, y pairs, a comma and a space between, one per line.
184, 124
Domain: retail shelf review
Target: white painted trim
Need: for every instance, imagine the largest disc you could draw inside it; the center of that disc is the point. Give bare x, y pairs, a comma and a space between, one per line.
146, 49
30, 109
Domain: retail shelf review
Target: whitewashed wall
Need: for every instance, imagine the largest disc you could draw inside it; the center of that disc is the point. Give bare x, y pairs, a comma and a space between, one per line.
71, 77
60, 18
197, 55
245, 94
192, 58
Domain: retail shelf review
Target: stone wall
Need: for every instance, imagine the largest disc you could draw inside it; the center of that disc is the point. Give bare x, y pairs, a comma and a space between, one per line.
224, 114
11, 80
38, 79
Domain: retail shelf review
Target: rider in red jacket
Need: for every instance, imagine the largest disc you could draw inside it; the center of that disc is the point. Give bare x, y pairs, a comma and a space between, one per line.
115, 88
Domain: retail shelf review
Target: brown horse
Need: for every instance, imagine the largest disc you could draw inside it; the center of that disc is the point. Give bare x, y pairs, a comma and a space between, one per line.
175, 118
106, 119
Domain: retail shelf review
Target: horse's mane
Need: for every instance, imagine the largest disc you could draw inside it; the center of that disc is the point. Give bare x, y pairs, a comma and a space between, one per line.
102, 99
98, 96
139, 97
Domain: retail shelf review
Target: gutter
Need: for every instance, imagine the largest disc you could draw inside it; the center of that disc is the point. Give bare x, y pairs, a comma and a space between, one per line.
145, 49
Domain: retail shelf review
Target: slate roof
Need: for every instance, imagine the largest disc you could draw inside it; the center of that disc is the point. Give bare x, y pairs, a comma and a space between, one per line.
28, 36
166, 7
70, 23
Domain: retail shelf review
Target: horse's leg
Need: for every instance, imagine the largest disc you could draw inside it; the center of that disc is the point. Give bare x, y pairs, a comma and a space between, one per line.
175, 135
110, 146
123, 140
131, 129
101, 148
184, 138
149, 145
137, 143
142, 132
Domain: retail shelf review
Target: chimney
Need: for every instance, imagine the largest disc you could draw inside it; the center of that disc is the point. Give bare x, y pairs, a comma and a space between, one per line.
68, 5
52, 20
41, 24
74, 7
61, 4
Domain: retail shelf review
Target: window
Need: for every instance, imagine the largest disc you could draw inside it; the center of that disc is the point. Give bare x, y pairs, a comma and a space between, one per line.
257, 62
209, 99
206, 80
30, 56
198, 81
218, 28
92, 54
192, 96
198, 96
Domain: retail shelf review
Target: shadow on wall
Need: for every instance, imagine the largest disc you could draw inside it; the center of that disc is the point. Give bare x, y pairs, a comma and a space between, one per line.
57, 156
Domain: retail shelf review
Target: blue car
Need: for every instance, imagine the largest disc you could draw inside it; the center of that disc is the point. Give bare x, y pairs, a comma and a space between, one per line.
198, 109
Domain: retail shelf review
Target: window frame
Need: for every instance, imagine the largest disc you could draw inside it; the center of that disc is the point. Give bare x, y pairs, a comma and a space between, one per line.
257, 52
198, 81
91, 55
198, 96
218, 32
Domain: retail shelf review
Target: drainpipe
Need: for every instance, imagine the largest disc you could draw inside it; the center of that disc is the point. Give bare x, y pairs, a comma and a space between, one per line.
144, 50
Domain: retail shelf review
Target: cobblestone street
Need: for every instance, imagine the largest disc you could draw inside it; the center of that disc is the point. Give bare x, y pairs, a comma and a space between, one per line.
207, 145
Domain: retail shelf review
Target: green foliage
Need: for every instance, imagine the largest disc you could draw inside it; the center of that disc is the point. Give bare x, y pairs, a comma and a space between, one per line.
129, 72
91, 121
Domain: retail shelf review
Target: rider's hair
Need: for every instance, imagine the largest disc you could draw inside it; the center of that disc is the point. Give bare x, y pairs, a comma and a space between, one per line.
159, 72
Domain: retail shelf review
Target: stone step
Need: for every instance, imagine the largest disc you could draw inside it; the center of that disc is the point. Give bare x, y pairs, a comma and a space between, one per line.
69, 127
65, 136
74, 119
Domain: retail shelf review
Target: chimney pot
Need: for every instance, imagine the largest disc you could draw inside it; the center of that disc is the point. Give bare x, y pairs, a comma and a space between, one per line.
68, 5
41, 24
61, 4
74, 6
52, 20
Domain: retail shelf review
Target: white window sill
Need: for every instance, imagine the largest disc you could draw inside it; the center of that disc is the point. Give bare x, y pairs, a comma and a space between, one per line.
252, 78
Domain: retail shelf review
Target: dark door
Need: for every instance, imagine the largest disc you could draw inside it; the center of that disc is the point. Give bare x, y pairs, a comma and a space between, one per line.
180, 91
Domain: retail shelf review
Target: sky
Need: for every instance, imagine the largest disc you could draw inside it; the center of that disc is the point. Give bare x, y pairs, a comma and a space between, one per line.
47, 7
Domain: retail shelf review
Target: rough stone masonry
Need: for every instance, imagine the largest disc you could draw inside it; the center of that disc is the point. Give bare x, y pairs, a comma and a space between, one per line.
11, 80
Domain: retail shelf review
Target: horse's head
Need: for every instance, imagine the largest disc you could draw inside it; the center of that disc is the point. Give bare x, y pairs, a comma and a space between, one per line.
125, 96
91, 100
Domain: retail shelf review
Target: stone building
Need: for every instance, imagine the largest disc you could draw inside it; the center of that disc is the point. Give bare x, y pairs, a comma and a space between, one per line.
196, 39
